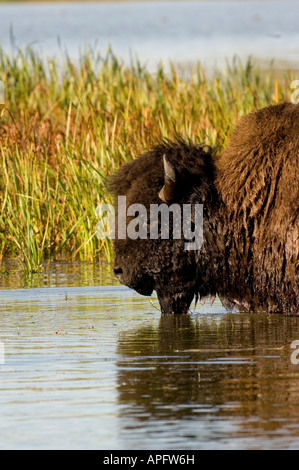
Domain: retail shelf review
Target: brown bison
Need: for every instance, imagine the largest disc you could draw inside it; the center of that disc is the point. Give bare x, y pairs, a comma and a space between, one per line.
249, 255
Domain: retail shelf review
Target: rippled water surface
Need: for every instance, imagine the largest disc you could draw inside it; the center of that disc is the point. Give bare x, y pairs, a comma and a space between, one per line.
89, 364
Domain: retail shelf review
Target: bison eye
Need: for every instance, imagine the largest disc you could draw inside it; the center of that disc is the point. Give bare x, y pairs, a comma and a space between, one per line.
117, 270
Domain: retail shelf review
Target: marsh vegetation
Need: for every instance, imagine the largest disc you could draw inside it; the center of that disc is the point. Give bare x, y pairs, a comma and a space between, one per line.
66, 125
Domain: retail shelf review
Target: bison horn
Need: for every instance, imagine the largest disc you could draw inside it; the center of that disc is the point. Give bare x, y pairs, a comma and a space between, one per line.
168, 190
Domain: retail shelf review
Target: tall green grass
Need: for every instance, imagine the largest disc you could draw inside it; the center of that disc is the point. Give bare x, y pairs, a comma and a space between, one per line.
66, 126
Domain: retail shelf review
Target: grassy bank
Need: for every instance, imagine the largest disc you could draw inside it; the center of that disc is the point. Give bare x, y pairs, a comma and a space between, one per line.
63, 129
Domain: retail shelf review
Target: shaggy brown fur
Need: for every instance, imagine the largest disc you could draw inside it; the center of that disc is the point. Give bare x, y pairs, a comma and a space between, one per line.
257, 177
164, 265
250, 254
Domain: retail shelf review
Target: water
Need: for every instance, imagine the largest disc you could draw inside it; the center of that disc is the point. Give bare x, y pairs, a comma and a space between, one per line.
97, 367
184, 32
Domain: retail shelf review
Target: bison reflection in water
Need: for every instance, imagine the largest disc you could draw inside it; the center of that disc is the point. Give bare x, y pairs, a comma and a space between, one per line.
250, 251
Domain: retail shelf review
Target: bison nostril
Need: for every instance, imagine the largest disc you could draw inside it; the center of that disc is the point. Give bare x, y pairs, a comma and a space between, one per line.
117, 270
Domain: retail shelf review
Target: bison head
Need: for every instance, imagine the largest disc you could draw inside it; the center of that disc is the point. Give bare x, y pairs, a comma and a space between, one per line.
153, 249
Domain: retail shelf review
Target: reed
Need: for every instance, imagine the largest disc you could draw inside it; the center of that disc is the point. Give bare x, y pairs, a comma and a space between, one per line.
66, 126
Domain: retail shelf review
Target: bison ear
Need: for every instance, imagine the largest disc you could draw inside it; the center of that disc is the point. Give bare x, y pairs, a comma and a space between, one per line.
168, 191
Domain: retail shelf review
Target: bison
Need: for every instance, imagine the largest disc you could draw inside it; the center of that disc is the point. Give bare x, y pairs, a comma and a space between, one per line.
249, 254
